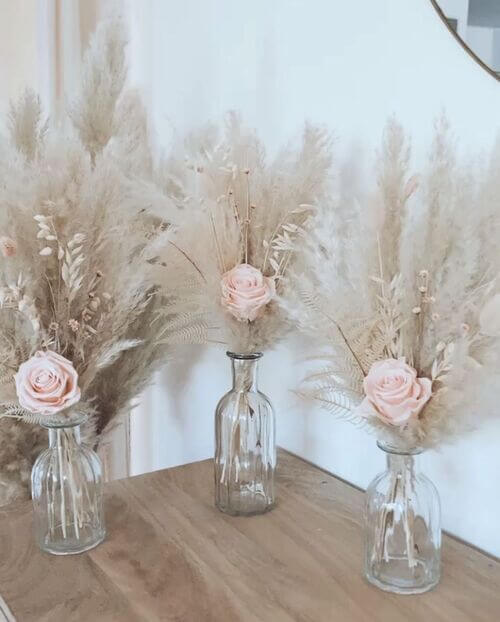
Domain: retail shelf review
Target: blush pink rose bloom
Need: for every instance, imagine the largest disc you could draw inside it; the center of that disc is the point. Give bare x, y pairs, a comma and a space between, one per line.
246, 291
8, 246
393, 392
47, 383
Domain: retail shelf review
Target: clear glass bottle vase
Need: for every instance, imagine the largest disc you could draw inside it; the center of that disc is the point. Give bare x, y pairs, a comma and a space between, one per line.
245, 451
402, 526
66, 488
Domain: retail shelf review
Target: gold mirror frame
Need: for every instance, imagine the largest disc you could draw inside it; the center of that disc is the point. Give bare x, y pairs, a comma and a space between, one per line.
469, 51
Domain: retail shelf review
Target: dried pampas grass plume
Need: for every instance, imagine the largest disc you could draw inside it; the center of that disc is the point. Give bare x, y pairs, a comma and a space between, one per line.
242, 208
408, 278
84, 277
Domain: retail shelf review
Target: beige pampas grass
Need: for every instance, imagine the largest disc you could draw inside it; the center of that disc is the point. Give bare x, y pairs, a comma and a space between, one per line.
84, 276
241, 208
408, 278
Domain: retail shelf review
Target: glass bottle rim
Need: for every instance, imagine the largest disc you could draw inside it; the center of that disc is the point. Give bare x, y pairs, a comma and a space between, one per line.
60, 420
388, 448
245, 356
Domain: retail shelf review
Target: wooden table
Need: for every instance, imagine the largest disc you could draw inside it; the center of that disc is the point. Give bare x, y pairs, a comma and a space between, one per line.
170, 555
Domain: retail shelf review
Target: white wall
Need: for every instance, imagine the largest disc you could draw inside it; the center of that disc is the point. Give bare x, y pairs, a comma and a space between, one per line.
348, 64
18, 49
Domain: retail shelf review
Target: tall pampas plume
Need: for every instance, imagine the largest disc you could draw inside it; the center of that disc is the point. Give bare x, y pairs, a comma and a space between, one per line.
245, 215
80, 270
94, 112
416, 282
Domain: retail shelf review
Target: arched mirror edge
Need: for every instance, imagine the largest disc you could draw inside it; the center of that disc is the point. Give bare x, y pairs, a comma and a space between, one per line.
462, 42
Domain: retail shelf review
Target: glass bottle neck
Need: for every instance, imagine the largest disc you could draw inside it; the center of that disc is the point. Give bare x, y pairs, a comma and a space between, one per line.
245, 374
59, 437
401, 463
399, 459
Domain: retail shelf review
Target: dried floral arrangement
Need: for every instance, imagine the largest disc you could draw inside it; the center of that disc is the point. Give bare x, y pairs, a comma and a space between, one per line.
244, 218
81, 283
403, 286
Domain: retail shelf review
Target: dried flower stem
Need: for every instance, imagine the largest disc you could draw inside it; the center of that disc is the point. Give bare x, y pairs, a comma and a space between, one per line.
220, 257
191, 261
232, 205
61, 478
423, 283
273, 236
380, 266
346, 341
247, 220
284, 263
398, 495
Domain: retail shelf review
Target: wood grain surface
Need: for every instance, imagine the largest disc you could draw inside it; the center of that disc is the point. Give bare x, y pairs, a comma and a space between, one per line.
170, 555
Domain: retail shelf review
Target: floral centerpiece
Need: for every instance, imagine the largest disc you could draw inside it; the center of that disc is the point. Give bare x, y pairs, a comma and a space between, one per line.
244, 219
81, 283
403, 290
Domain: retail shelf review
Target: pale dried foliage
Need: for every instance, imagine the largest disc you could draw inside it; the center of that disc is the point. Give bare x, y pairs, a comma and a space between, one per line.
95, 113
241, 208
415, 264
86, 280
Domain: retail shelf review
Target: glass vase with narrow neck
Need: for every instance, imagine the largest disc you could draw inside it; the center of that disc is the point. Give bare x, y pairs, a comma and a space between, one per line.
66, 486
245, 451
402, 526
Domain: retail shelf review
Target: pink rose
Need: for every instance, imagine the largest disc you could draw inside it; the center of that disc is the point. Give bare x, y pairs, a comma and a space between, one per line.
246, 291
394, 394
8, 247
47, 383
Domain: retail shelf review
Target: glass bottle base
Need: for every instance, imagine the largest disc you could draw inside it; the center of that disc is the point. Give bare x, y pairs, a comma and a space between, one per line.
242, 512
245, 503
396, 577
73, 545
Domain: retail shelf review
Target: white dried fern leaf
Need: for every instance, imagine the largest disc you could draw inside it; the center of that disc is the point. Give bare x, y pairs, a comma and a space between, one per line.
14, 411
109, 356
